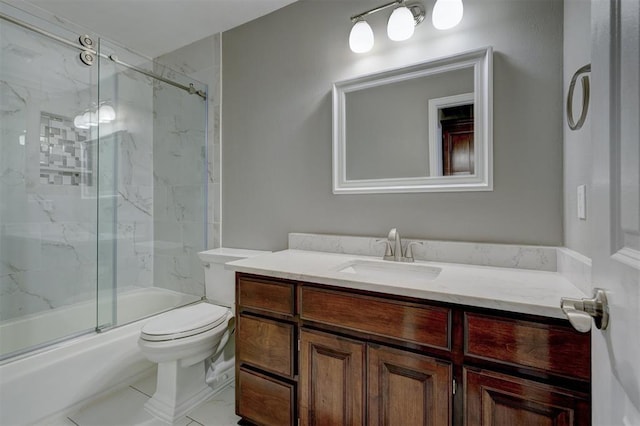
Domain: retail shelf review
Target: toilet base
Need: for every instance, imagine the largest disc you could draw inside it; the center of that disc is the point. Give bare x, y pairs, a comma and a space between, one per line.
178, 390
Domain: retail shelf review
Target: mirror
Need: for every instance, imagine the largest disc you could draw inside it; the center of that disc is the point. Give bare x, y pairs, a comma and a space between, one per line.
422, 128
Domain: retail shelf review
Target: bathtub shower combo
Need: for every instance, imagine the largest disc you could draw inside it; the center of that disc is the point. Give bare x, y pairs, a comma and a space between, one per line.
103, 186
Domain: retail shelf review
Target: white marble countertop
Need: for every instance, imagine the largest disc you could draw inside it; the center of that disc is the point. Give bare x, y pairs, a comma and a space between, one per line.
506, 289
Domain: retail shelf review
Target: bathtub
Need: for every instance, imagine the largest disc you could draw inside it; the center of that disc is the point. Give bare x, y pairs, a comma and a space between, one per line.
52, 380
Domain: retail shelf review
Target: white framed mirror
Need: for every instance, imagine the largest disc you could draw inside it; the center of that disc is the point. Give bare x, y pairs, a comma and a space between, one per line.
426, 127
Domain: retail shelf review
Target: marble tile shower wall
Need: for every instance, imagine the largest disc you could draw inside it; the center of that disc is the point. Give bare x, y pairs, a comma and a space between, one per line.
177, 217
132, 141
178, 208
47, 232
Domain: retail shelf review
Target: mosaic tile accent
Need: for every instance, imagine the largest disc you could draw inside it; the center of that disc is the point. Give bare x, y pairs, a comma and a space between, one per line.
65, 152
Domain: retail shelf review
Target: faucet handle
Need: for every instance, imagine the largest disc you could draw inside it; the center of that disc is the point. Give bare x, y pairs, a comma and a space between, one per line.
388, 251
408, 254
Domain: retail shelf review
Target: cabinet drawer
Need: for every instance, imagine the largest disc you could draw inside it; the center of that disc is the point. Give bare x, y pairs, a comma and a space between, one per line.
263, 400
266, 344
547, 347
271, 296
499, 399
424, 325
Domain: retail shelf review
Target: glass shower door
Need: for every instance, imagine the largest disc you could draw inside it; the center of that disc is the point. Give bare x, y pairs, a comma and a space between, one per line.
48, 215
152, 186
103, 184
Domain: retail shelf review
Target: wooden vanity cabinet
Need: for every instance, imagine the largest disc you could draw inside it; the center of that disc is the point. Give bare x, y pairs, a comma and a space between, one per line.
266, 351
332, 379
264, 400
406, 388
312, 354
498, 399
368, 382
549, 349
345, 381
386, 318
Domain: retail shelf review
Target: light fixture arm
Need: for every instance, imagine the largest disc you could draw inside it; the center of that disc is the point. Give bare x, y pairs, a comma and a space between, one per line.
400, 26
374, 10
416, 8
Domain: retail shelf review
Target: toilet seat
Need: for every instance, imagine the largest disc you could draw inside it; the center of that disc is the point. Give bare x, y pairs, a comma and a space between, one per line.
184, 322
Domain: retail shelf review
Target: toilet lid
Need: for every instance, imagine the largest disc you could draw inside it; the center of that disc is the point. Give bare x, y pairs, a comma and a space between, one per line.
184, 322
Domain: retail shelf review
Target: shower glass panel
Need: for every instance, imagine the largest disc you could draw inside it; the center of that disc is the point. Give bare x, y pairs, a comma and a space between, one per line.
47, 187
152, 189
102, 185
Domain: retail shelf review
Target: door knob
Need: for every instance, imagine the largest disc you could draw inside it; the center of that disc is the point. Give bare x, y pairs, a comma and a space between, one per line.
580, 311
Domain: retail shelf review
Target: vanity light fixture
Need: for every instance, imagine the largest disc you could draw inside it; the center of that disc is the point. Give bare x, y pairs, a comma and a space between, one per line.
361, 37
447, 14
403, 20
400, 26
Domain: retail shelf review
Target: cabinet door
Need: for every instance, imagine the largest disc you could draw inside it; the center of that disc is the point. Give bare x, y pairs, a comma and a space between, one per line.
498, 399
408, 389
331, 380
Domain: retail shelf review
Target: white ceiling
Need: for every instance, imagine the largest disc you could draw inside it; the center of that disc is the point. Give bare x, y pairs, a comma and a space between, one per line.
155, 27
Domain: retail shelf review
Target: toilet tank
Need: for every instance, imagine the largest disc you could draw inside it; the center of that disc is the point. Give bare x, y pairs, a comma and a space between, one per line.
220, 283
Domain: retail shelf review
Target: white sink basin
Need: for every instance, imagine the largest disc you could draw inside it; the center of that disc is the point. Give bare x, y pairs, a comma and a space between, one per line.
389, 270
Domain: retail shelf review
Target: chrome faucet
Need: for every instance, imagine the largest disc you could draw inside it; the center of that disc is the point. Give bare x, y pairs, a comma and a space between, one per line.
394, 241
408, 253
393, 249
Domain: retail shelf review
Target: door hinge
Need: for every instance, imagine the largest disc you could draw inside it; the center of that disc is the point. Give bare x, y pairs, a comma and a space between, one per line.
455, 386
298, 417
298, 351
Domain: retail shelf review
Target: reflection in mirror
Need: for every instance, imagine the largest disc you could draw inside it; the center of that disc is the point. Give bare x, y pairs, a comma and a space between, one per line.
426, 127
451, 131
387, 128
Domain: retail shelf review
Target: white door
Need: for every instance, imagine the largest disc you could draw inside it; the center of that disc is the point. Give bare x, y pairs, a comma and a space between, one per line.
615, 105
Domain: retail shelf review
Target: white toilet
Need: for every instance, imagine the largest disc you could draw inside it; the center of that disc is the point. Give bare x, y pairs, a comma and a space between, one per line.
186, 340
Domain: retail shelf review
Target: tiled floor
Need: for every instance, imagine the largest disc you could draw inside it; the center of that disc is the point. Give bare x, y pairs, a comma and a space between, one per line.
125, 408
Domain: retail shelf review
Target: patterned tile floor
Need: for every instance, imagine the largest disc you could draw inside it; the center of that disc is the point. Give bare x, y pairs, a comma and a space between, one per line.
125, 408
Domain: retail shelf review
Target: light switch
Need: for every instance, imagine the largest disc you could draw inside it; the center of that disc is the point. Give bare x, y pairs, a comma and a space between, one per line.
582, 202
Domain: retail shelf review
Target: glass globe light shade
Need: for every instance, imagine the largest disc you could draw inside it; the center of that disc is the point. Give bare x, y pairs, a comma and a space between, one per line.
91, 118
447, 14
79, 123
361, 37
106, 114
401, 24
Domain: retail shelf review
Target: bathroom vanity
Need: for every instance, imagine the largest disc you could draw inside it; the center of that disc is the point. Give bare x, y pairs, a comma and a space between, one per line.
318, 343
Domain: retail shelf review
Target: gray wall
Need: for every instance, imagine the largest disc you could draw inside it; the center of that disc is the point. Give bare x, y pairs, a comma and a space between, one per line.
276, 126
577, 144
